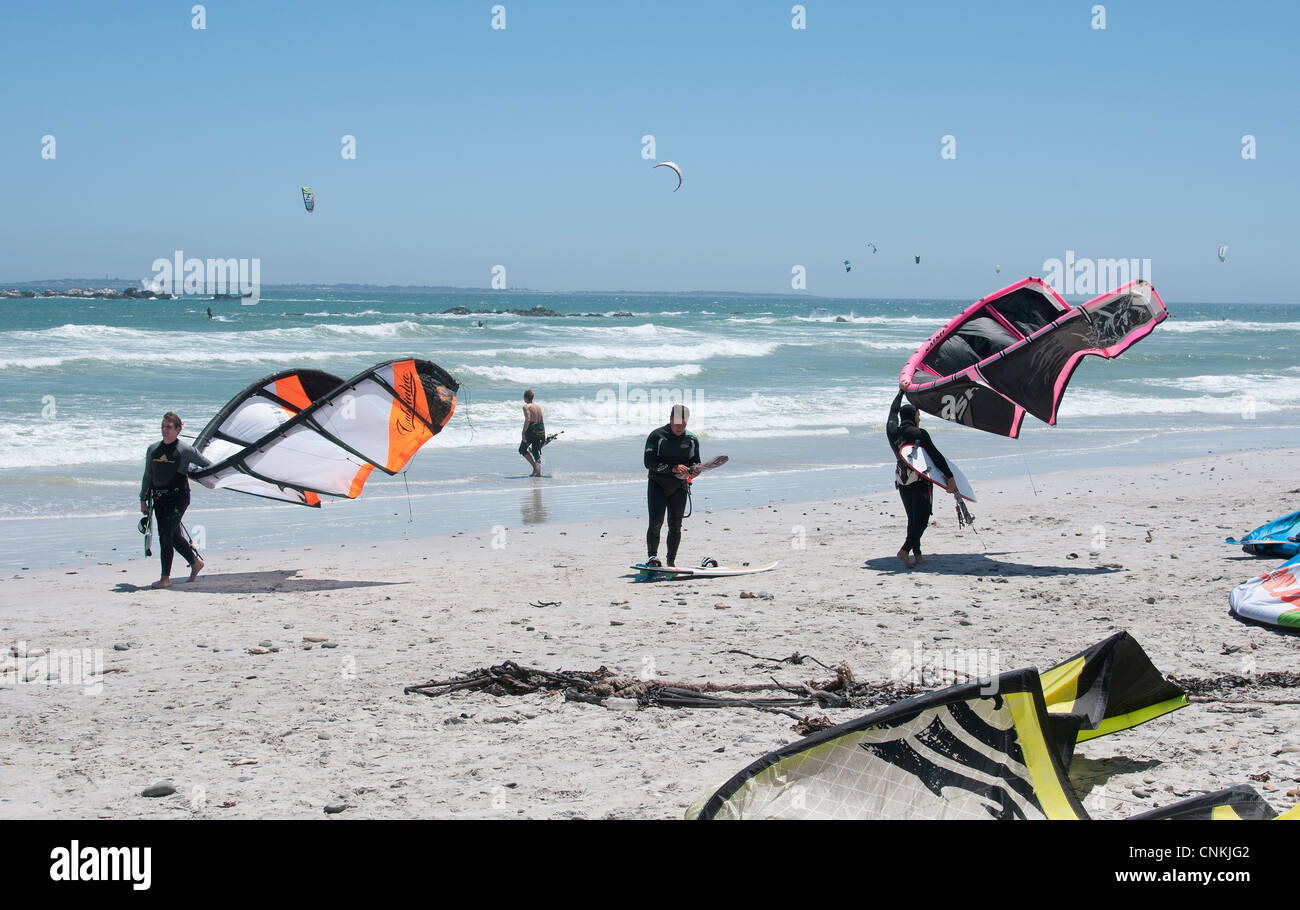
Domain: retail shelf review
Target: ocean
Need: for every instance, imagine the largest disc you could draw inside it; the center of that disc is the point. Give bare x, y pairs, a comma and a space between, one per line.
795, 389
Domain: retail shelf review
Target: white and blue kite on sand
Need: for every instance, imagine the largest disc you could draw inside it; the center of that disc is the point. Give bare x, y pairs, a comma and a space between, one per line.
1280, 537
1272, 598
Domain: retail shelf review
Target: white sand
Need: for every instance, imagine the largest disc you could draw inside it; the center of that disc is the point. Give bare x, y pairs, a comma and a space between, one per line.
284, 734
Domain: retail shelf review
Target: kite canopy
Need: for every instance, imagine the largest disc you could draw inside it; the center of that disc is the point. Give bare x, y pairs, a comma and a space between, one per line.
995, 748
1280, 537
676, 170
1015, 350
1272, 598
308, 199
301, 434
1234, 803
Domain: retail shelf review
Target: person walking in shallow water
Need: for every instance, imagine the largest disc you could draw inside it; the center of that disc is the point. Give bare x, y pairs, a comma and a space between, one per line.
166, 487
904, 428
533, 436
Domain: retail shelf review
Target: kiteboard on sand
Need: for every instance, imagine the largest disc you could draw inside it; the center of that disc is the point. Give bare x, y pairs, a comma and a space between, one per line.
708, 569
920, 462
716, 462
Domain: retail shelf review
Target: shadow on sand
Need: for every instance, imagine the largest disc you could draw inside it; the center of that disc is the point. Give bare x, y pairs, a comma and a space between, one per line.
980, 564
276, 581
1087, 774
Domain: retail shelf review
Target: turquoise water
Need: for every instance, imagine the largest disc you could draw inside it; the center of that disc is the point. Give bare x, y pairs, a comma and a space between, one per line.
795, 389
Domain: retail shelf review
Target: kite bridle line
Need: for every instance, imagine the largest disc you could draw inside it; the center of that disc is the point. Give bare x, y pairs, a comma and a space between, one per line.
468, 422
1028, 473
965, 518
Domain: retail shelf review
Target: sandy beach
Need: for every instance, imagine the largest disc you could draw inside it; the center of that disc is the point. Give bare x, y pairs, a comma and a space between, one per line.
223, 688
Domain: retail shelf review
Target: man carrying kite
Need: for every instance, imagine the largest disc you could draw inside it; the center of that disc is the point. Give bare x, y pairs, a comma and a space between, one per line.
904, 428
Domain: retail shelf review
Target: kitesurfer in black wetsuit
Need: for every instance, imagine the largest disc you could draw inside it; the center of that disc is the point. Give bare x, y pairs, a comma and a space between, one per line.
167, 488
903, 428
533, 436
669, 454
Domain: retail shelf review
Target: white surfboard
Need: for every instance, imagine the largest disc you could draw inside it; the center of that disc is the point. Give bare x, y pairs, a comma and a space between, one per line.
919, 461
702, 571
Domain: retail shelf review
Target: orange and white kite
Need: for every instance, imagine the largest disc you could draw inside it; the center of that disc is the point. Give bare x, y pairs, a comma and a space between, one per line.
302, 434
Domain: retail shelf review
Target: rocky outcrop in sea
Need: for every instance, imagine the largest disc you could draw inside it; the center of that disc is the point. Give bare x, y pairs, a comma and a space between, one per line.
90, 293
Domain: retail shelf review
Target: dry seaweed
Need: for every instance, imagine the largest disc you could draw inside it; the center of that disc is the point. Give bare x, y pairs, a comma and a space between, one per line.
595, 686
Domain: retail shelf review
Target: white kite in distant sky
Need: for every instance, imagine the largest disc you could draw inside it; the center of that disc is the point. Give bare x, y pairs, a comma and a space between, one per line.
676, 170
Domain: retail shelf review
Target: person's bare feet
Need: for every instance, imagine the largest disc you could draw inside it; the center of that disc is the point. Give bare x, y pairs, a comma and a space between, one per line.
196, 569
907, 561
164, 582
919, 559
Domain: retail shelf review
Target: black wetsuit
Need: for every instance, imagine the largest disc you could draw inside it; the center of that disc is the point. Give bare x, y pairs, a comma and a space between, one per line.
534, 439
915, 490
165, 482
667, 493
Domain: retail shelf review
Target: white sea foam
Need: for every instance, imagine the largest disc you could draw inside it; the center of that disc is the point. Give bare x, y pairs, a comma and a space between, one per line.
1260, 385
704, 350
776, 433
404, 329
910, 322
645, 330
1185, 326
72, 440
578, 376
1093, 403
184, 356
889, 345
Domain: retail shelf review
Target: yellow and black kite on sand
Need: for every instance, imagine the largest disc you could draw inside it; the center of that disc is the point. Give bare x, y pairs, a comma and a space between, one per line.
994, 748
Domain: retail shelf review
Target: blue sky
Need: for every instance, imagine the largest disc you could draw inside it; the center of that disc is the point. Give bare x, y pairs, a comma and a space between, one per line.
522, 147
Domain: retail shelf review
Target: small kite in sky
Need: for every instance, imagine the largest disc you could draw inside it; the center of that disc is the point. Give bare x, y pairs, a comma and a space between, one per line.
676, 170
